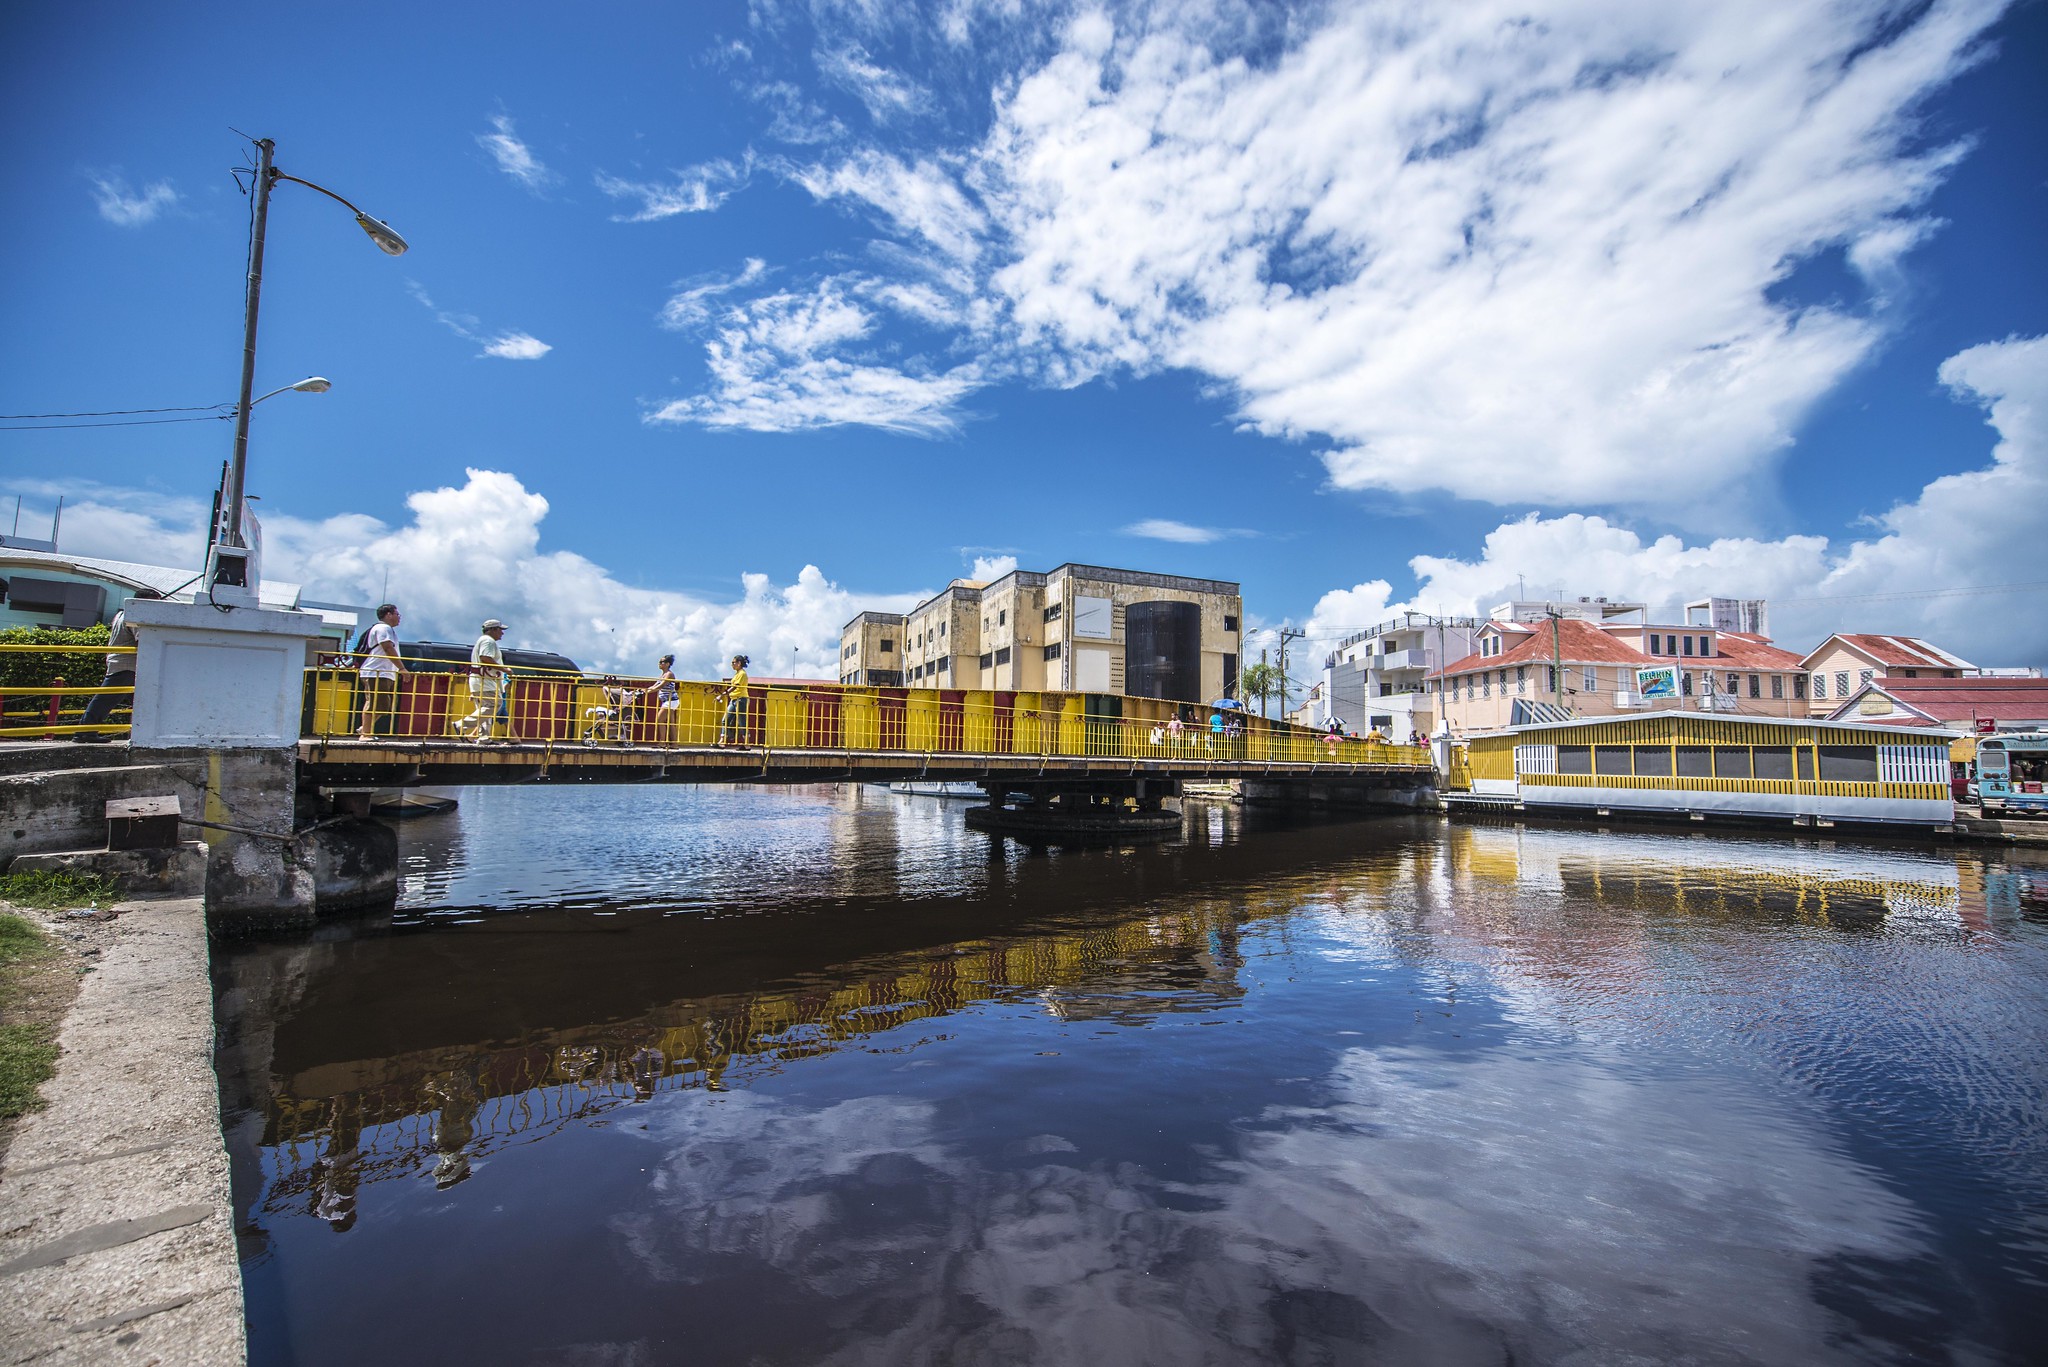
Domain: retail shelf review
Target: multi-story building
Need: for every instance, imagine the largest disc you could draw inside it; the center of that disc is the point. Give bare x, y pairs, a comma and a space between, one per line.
1078, 628
1844, 665
1378, 680
871, 650
1586, 659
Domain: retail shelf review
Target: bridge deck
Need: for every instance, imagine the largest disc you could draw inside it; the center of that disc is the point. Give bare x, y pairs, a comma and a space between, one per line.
397, 763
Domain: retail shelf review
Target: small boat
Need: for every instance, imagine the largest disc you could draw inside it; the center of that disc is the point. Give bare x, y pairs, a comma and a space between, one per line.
403, 805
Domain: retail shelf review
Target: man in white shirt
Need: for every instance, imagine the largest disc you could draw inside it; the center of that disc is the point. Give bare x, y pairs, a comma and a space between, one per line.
487, 683
378, 671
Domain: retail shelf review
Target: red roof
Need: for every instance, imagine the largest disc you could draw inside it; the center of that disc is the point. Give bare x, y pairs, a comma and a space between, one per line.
1578, 643
1963, 699
1896, 652
1744, 651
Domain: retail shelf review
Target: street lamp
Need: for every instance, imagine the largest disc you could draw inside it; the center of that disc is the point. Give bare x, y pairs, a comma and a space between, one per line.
230, 556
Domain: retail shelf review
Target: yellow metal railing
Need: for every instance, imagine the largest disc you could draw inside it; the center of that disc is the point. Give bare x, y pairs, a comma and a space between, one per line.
439, 701
44, 711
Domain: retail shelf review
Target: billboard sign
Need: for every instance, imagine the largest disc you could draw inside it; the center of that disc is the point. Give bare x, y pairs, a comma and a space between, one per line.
1657, 681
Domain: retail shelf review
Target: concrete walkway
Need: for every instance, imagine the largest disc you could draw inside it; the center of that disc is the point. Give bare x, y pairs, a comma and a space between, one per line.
116, 1237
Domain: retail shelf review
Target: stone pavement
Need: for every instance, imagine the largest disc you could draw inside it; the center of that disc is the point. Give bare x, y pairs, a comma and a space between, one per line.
116, 1228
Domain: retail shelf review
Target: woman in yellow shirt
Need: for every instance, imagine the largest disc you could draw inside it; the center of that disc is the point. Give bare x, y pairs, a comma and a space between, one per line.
734, 723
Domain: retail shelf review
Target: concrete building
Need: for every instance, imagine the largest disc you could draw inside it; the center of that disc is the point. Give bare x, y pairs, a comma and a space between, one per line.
1844, 665
1593, 658
49, 588
1379, 679
1078, 628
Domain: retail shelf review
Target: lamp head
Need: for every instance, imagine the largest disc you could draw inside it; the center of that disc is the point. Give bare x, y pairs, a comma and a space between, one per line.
317, 384
389, 242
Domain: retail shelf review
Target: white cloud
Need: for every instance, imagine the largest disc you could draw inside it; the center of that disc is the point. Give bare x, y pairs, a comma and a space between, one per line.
130, 208
693, 305
516, 346
697, 190
1976, 529
507, 345
1166, 529
770, 373
888, 95
1460, 249
989, 568
514, 157
142, 526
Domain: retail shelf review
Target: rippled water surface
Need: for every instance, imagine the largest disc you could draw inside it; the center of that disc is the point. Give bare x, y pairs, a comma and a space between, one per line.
654, 1075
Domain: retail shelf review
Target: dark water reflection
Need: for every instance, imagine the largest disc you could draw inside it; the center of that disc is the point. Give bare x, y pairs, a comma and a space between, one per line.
803, 1077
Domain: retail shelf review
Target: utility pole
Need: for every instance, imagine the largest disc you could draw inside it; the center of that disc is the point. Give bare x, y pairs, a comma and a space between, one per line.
1556, 657
1286, 634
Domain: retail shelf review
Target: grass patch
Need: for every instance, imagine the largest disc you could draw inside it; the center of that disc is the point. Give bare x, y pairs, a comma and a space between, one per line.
52, 888
27, 1060
20, 941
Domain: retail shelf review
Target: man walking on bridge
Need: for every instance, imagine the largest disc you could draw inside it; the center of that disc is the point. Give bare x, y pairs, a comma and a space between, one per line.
378, 671
487, 683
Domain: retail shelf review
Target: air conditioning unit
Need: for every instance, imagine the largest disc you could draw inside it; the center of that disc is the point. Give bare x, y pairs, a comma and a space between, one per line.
1625, 698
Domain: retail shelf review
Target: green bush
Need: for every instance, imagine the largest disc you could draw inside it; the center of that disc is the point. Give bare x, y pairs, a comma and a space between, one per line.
33, 669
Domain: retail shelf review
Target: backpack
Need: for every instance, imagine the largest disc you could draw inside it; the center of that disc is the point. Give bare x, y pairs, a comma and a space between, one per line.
353, 658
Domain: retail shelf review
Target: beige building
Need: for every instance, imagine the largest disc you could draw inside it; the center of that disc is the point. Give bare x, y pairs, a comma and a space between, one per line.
1078, 628
1600, 664
1843, 665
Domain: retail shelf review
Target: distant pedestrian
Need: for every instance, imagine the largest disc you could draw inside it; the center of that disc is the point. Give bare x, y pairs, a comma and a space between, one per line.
489, 683
120, 674
377, 671
734, 722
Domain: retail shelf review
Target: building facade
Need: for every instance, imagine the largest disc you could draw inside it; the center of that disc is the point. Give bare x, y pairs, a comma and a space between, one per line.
1379, 679
48, 588
1844, 665
871, 650
1078, 628
1594, 658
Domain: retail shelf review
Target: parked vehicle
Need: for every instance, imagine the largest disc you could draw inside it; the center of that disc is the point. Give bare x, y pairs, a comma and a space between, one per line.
445, 657
2012, 772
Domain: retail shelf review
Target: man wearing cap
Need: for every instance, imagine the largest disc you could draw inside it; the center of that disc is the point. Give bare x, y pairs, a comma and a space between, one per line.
487, 683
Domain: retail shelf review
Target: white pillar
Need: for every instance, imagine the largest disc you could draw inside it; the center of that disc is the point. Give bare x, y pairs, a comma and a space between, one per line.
208, 678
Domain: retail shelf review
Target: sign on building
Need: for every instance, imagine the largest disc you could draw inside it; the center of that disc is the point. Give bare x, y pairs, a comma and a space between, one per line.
1657, 681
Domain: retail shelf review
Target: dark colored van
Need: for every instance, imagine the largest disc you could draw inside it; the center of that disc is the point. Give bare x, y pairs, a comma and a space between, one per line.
443, 657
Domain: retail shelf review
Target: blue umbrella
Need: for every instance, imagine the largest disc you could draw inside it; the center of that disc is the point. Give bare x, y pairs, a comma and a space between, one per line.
1228, 702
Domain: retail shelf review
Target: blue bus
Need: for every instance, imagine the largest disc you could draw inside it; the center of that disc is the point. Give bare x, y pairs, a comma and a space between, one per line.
2012, 772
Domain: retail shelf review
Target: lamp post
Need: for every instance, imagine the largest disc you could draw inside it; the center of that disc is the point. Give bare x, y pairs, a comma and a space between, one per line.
229, 559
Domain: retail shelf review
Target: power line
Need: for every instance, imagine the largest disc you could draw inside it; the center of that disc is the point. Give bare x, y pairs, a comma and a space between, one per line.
77, 426
113, 412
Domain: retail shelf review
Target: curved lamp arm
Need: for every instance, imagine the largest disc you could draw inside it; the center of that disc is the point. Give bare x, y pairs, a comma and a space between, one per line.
389, 242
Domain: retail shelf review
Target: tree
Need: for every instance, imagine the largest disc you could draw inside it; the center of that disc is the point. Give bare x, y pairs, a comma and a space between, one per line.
1262, 681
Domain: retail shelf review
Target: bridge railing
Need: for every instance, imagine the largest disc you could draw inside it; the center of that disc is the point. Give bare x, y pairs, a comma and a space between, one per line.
438, 702
44, 693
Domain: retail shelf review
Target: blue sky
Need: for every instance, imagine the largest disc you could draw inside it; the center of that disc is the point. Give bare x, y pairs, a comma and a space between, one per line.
722, 321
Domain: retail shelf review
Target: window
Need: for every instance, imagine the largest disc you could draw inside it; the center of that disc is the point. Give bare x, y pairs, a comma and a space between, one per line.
1695, 761
1229, 622
1820, 685
1003, 618
942, 628
1804, 755
1731, 761
1687, 643
944, 666
1052, 652
1911, 673
1592, 679
1003, 656
1653, 761
1777, 685
1774, 761
1799, 686
1052, 614
1735, 683
1842, 684
1551, 671
1685, 683
1756, 686
1575, 759
1486, 685
1521, 678
1503, 683
1706, 646
1848, 763
888, 643
986, 660
1611, 759
1863, 677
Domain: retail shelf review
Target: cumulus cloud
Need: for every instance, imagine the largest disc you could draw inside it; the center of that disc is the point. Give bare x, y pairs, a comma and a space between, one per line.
1977, 529
121, 204
507, 345
142, 526
514, 157
697, 190
987, 568
1525, 262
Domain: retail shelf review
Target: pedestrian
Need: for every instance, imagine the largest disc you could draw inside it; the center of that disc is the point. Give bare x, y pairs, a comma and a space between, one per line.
120, 674
378, 669
489, 682
734, 722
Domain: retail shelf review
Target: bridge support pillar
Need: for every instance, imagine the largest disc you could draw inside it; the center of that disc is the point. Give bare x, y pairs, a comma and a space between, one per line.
1110, 809
1397, 790
218, 693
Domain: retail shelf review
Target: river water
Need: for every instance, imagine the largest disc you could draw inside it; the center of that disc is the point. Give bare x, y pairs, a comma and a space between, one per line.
753, 1076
